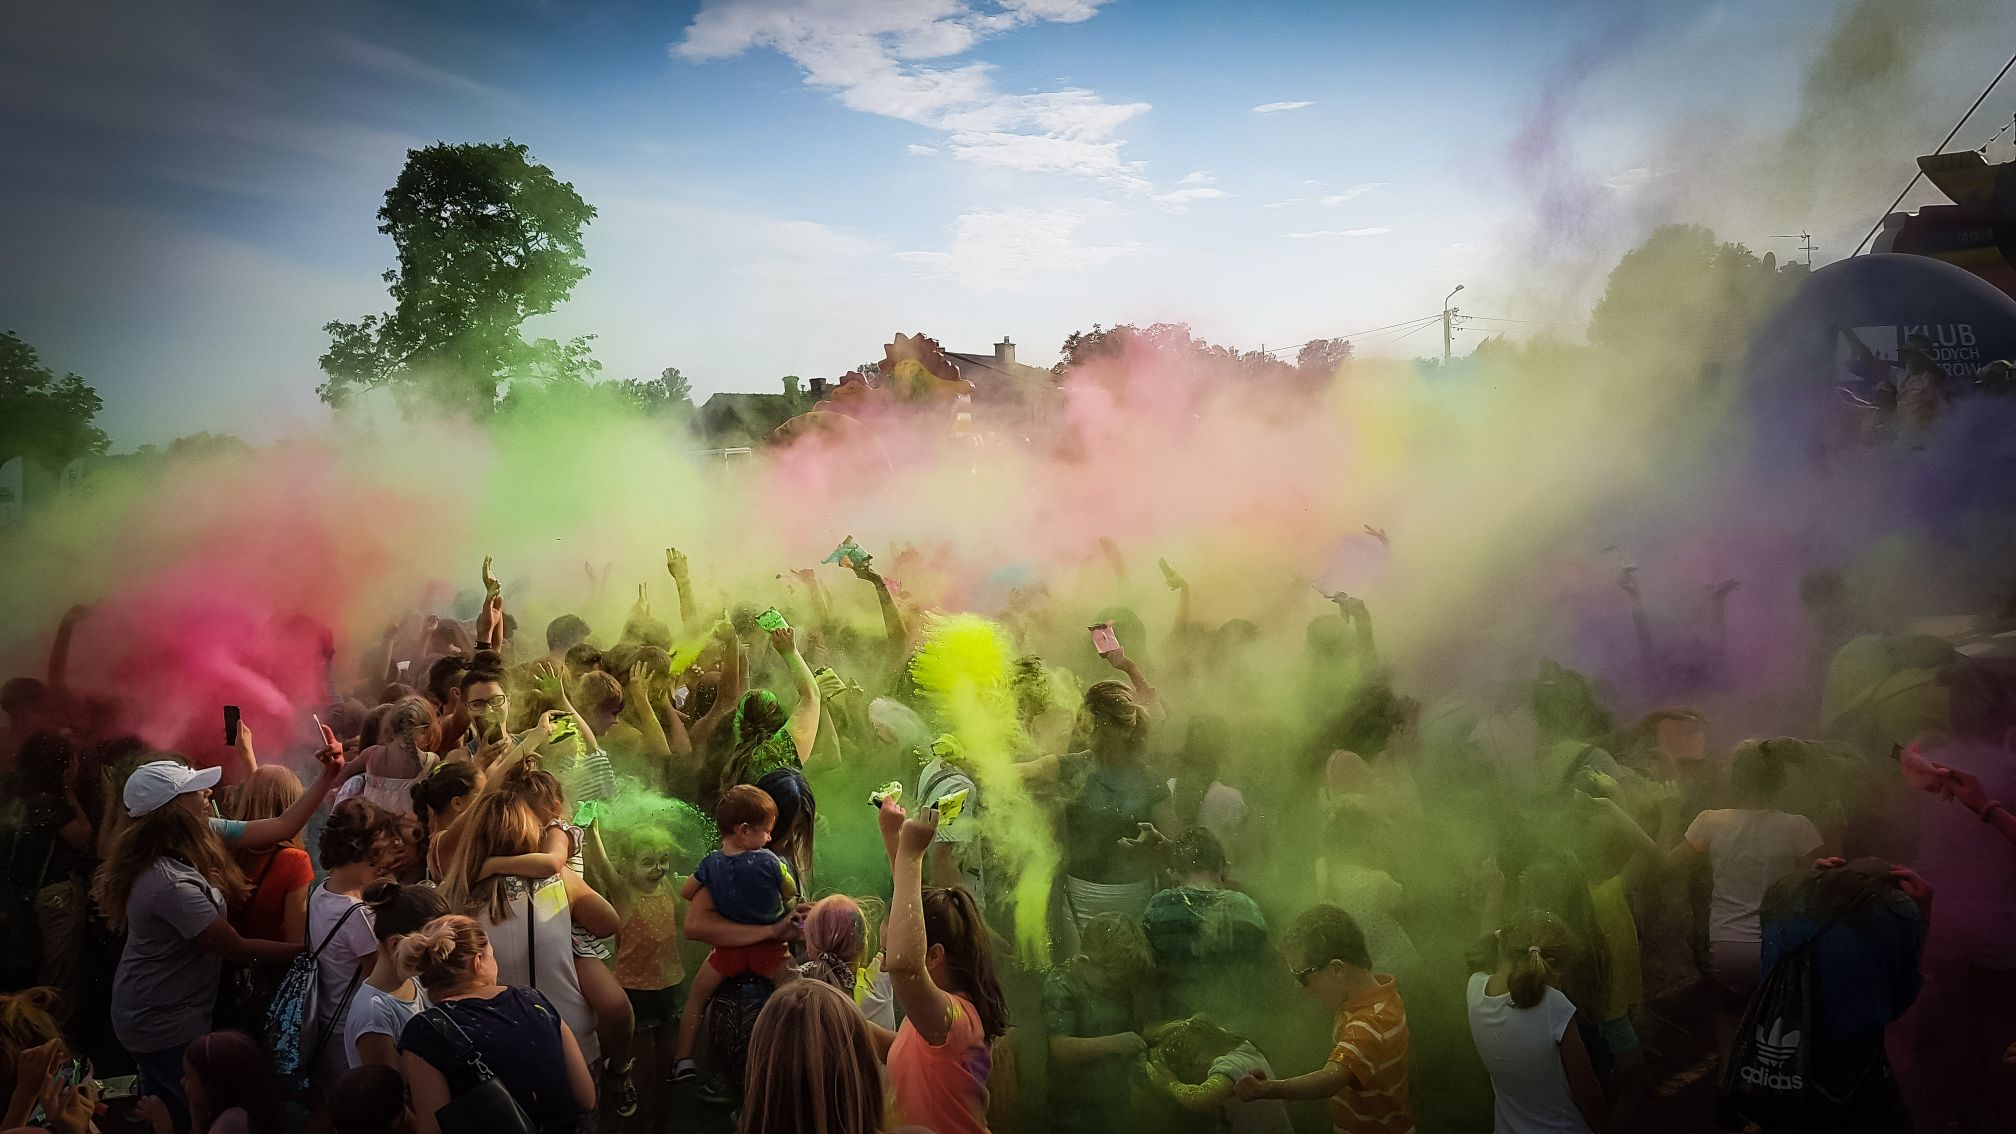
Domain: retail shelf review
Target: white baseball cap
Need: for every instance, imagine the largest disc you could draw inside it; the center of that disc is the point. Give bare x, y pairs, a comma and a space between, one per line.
159, 781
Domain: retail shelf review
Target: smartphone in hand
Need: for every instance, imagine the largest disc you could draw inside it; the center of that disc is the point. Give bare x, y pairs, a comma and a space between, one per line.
1103, 638
231, 719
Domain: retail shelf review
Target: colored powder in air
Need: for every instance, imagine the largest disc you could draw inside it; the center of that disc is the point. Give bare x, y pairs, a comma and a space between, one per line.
965, 670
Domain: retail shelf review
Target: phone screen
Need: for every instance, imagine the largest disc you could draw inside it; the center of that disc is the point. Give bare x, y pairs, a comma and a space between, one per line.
1103, 639
231, 724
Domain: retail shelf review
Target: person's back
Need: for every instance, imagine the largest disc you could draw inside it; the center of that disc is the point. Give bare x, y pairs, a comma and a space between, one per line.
1520, 1050
1748, 849
535, 950
517, 1034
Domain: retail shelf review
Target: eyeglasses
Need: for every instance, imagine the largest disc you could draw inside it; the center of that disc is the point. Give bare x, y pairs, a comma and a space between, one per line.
1302, 975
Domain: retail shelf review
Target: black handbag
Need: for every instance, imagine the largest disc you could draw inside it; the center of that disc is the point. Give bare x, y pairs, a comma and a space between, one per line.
486, 1108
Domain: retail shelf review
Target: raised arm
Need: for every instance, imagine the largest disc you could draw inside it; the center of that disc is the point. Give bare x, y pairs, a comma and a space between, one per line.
892, 618
262, 833
803, 724
637, 710
490, 623
1143, 692
675, 565
59, 651
242, 761
904, 946
728, 689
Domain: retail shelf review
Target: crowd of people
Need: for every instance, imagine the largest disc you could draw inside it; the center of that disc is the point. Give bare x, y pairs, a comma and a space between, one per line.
597, 880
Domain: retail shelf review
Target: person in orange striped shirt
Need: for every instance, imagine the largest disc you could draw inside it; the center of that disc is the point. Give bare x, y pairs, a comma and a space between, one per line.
1365, 1078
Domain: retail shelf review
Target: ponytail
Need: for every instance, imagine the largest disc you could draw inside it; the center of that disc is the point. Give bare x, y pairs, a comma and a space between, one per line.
1534, 948
1528, 977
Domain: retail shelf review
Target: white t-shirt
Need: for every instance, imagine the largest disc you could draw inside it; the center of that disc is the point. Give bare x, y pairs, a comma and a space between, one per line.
1222, 812
936, 781
553, 932
376, 1012
1519, 1048
1261, 1116
1748, 851
338, 965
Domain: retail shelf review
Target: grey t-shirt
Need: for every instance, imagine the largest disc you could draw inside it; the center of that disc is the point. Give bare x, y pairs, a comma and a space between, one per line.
375, 1012
166, 988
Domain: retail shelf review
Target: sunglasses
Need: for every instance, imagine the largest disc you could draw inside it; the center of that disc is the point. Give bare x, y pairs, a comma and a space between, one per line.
1302, 975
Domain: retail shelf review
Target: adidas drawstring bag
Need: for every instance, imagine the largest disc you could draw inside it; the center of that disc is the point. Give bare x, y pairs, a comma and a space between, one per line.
1770, 1065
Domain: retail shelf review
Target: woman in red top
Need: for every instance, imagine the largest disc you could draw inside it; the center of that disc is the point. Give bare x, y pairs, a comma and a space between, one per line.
277, 907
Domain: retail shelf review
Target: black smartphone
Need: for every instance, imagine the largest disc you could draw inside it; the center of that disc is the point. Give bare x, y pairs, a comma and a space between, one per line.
231, 725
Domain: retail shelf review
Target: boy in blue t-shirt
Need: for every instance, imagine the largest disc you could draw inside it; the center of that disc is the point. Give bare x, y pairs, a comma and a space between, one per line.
749, 886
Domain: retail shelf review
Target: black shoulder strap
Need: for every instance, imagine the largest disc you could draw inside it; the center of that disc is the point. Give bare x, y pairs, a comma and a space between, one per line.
531, 938
463, 1047
334, 929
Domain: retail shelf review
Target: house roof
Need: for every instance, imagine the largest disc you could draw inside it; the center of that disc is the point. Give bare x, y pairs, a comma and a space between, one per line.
991, 377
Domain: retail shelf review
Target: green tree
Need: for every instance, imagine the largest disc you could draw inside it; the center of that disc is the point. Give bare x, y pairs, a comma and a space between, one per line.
486, 239
43, 417
1175, 344
1683, 297
1320, 358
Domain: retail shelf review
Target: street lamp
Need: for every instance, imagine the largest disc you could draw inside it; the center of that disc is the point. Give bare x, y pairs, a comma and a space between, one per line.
1447, 312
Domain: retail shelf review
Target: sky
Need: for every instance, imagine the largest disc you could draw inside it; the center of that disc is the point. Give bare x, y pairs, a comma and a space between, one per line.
189, 189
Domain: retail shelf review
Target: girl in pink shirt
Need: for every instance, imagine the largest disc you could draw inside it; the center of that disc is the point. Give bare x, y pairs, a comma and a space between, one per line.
943, 978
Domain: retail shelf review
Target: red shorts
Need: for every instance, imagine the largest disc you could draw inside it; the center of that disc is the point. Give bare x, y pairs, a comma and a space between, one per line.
734, 960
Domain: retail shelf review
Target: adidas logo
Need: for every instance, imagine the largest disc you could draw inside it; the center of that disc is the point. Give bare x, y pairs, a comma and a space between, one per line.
1777, 1045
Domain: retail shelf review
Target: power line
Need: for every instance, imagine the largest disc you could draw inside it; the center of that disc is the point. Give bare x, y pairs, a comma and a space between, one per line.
1350, 334
1950, 135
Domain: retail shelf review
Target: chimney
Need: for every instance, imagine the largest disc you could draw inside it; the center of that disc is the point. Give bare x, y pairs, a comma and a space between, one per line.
818, 389
791, 385
1004, 351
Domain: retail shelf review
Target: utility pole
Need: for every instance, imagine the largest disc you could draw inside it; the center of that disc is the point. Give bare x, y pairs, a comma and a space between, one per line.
1808, 244
1448, 322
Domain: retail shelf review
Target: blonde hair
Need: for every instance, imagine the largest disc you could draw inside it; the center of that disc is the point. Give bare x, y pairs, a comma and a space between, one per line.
836, 939
812, 1068
443, 952
498, 824
25, 1022
1116, 944
410, 726
165, 832
267, 794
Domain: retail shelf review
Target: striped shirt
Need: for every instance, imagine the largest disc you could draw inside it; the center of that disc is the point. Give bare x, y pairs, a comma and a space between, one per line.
1372, 1046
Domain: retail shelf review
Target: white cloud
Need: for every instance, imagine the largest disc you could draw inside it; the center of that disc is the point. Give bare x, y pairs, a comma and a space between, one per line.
1199, 177
1278, 107
1000, 248
1324, 233
920, 151
1352, 194
1178, 200
871, 53
1282, 204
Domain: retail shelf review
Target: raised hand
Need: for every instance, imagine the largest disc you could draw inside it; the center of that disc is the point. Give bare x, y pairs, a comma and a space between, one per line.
784, 641
917, 831
675, 563
491, 587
